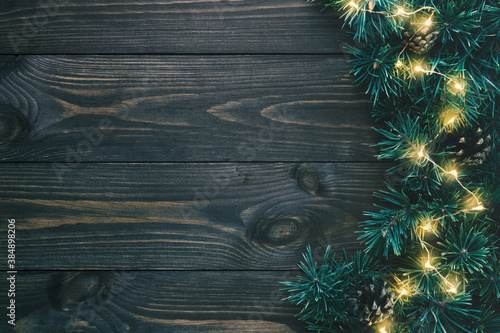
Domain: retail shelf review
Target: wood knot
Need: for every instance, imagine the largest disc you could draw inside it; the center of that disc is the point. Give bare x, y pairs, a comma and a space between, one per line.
68, 290
282, 230
289, 225
308, 179
14, 126
278, 231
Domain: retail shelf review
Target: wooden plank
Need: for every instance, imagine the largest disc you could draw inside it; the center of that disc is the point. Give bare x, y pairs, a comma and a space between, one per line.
5, 59
183, 108
199, 301
168, 26
183, 216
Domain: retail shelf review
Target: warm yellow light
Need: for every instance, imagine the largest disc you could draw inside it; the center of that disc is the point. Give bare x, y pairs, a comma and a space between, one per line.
452, 290
399, 64
427, 227
400, 11
451, 116
479, 207
428, 23
458, 86
421, 152
383, 330
353, 4
454, 173
403, 292
428, 265
451, 121
419, 69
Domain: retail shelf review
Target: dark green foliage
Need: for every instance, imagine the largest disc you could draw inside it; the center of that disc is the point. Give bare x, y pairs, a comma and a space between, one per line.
437, 227
391, 227
375, 67
325, 291
437, 312
466, 248
488, 284
487, 321
321, 290
367, 26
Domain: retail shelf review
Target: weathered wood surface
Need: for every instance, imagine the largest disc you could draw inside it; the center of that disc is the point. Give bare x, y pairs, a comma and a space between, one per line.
183, 216
237, 138
4, 59
194, 301
183, 108
167, 26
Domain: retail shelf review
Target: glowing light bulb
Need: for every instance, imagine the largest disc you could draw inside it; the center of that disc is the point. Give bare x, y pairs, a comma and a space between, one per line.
421, 153
477, 208
427, 227
459, 86
419, 69
403, 292
428, 23
452, 290
428, 265
399, 64
451, 121
383, 330
353, 4
454, 173
400, 11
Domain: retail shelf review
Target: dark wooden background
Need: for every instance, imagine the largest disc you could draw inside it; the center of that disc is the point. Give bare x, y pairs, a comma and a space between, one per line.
168, 161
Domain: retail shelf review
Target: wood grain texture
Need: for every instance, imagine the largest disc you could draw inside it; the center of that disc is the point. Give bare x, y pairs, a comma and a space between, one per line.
240, 97
183, 216
167, 26
182, 108
5, 59
116, 302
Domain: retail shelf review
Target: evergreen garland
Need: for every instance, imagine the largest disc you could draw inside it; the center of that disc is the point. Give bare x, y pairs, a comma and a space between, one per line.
431, 261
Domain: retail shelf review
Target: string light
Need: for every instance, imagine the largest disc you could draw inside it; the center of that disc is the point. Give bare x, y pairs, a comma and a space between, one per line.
478, 207
451, 121
449, 118
454, 173
401, 11
429, 266
419, 69
458, 84
383, 330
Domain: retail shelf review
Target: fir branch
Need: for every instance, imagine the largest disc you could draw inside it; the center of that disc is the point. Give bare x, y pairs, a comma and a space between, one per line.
437, 312
438, 223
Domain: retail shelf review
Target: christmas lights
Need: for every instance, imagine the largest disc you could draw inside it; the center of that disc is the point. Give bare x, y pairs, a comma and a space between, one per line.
431, 68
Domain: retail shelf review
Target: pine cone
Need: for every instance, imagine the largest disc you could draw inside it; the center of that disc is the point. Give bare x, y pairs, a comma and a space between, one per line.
373, 303
420, 39
472, 147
